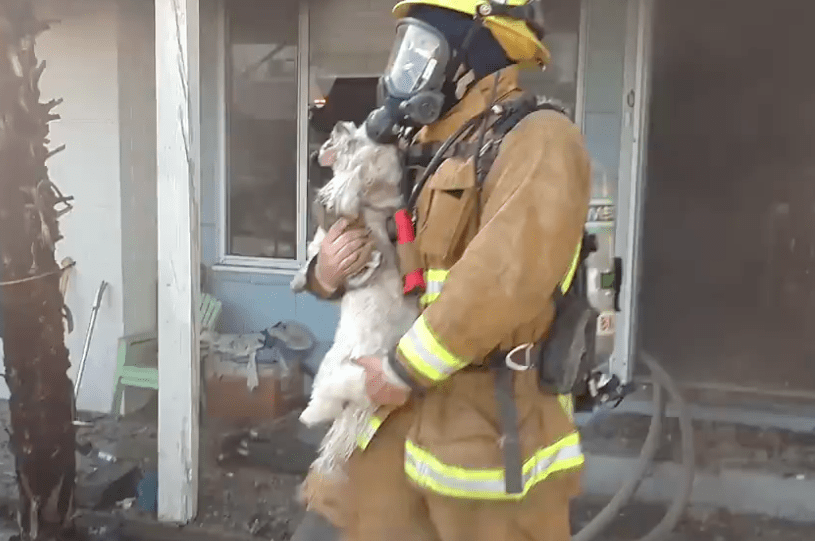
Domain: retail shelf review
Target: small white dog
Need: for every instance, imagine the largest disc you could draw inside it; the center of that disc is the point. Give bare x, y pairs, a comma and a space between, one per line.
374, 313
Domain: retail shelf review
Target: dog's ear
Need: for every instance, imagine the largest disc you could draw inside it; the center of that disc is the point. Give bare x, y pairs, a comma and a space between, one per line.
340, 137
327, 155
343, 128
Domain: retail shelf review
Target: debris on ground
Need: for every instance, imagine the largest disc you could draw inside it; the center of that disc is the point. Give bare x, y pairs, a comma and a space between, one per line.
249, 481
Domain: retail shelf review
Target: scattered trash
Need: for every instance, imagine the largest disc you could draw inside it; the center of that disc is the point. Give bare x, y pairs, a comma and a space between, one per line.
108, 485
260, 526
127, 503
87, 449
279, 450
107, 457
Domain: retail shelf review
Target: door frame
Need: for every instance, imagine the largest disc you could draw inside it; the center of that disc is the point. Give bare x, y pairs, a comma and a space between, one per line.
632, 180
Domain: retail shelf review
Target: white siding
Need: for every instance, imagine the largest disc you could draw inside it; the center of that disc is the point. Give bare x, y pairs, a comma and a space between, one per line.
82, 66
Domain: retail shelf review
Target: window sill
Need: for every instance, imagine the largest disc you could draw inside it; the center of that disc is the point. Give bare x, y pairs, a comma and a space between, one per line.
272, 267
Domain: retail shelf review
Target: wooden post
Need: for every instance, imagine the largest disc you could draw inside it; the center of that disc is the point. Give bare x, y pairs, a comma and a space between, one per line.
178, 160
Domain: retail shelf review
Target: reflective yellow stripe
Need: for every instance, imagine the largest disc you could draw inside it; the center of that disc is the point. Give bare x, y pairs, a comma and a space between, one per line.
435, 280
426, 355
436, 275
567, 280
364, 439
428, 299
567, 405
429, 472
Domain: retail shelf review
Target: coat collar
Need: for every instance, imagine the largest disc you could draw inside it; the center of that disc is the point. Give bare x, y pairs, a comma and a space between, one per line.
472, 103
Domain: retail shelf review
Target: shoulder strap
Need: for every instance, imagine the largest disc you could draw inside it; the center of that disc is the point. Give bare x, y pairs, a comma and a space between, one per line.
509, 114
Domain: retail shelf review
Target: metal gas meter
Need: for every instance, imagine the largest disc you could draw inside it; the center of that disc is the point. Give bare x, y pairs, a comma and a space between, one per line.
602, 270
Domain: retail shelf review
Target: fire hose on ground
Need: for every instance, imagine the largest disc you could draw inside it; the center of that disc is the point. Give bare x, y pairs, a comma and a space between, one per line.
662, 383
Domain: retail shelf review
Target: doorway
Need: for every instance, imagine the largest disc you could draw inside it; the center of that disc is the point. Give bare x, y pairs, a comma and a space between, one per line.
727, 285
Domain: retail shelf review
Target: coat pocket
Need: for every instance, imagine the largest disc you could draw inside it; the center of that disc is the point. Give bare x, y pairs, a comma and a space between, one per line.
448, 211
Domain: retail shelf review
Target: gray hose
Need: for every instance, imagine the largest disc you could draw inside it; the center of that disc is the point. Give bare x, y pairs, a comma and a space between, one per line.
649, 449
680, 502
603, 519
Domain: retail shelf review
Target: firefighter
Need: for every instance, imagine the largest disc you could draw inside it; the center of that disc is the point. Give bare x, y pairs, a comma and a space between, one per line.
465, 446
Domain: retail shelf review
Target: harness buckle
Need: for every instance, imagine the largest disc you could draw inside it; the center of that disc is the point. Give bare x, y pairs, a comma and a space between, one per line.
528, 362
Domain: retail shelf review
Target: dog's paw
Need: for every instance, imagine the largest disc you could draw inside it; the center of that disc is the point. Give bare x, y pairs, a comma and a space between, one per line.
362, 277
299, 282
319, 412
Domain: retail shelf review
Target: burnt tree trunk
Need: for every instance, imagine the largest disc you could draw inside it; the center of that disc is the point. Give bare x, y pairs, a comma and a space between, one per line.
36, 360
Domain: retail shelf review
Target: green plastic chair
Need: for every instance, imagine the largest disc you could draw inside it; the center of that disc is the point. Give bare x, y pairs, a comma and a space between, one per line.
137, 355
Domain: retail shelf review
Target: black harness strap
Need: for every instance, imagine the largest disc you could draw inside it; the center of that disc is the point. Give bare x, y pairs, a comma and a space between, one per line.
510, 435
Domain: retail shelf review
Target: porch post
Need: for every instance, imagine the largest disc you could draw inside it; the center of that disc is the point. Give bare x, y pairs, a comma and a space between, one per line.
178, 160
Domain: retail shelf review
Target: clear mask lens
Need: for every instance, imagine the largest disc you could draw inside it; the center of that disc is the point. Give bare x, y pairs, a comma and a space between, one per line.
415, 59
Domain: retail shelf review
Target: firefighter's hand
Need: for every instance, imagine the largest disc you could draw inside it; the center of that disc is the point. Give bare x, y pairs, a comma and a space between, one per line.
380, 390
342, 254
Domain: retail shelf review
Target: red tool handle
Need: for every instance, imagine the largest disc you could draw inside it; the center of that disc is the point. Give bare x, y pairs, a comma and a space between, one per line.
404, 227
405, 235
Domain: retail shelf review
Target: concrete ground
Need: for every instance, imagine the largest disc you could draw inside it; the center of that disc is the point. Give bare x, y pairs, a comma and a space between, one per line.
245, 499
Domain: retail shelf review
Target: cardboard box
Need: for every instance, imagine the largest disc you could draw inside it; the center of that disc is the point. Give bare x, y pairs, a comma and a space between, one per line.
278, 393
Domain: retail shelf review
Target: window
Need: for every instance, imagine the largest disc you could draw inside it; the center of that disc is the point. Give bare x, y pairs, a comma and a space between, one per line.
262, 39
338, 83
344, 68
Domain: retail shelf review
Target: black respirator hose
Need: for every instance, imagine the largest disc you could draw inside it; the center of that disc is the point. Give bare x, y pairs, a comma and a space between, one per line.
662, 382
437, 158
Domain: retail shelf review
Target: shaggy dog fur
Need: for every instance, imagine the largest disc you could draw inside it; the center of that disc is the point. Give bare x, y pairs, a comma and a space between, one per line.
374, 313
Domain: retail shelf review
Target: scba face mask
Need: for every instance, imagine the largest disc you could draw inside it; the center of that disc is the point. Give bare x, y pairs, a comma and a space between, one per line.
411, 88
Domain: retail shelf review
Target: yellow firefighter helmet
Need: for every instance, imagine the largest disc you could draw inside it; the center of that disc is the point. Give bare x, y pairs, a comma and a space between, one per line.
516, 24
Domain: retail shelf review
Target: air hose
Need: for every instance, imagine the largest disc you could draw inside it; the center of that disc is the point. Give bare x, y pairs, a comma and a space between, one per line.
662, 382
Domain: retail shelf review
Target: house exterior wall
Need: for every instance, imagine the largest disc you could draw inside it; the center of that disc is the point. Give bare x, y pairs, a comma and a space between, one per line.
100, 61
82, 66
137, 145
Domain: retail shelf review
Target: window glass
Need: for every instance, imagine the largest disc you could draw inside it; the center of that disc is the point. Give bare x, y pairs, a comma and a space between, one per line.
344, 67
262, 128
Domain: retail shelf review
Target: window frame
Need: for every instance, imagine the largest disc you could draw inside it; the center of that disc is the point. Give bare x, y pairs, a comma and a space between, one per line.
249, 263
240, 263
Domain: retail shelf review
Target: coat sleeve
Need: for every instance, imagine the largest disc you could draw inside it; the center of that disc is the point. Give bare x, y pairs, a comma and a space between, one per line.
532, 221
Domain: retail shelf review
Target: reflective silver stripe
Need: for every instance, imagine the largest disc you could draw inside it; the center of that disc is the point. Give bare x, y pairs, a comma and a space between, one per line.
426, 355
429, 472
434, 278
434, 287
